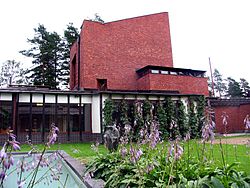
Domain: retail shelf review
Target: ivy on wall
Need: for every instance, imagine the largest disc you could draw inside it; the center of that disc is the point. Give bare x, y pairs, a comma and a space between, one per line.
108, 112
181, 119
201, 103
162, 119
192, 119
171, 115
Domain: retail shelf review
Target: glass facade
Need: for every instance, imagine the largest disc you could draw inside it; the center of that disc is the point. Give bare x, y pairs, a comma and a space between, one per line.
5, 115
33, 114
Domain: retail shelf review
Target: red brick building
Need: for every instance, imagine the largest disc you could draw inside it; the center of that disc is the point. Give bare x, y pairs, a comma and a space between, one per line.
236, 109
130, 55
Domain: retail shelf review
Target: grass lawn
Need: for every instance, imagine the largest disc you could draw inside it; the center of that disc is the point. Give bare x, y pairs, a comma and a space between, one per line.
232, 153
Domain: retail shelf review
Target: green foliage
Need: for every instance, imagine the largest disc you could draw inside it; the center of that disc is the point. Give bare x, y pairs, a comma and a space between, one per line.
123, 110
147, 111
192, 120
138, 119
118, 171
172, 118
108, 112
181, 119
234, 89
219, 84
162, 119
244, 86
50, 53
201, 103
5, 118
12, 73
70, 36
170, 113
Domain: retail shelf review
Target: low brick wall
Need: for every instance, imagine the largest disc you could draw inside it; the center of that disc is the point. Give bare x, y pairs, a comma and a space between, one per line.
236, 109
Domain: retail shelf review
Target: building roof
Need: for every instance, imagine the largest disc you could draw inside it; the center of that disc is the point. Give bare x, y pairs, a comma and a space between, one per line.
178, 70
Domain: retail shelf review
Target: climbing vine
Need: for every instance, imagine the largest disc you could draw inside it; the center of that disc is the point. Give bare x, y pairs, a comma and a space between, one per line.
162, 119
182, 127
201, 103
138, 119
108, 112
192, 119
147, 109
170, 115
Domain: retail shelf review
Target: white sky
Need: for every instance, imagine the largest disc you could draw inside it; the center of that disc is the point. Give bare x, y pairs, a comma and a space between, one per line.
219, 29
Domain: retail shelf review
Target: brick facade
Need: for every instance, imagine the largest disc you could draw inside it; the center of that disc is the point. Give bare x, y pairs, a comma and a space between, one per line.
177, 83
236, 109
114, 51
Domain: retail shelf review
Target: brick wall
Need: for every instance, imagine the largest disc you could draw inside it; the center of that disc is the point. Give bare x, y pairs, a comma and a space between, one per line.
115, 50
236, 109
183, 84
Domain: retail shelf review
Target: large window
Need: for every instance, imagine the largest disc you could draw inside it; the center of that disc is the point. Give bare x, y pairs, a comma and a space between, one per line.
74, 118
23, 117
5, 115
49, 116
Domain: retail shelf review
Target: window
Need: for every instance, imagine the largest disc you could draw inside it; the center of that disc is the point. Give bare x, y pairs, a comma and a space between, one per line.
164, 72
102, 84
155, 71
73, 74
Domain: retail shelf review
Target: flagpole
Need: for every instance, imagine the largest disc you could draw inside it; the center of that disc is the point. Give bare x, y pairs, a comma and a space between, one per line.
212, 79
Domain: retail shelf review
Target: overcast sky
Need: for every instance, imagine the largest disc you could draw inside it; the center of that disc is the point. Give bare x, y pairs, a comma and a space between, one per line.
219, 29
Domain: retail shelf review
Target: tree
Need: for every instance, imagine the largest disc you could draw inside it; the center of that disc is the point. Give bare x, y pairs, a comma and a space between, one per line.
97, 19
70, 36
244, 86
219, 84
233, 88
46, 52
12, 73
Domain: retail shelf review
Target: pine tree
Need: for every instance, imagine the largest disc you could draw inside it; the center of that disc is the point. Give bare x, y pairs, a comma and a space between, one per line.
233, 88
46, 52
244, 85
219, 84
12, 73
70, 36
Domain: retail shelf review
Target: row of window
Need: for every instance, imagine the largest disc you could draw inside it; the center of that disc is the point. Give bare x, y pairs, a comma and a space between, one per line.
37, 118
199, 75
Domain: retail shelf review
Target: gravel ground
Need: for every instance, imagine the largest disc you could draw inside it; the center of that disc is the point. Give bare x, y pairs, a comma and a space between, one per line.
235, 140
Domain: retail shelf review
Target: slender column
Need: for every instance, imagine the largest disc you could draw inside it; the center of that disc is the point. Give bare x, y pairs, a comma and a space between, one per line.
101, 114
68, 120
80, 117
56, 112
14, 112
30, 118
43, 118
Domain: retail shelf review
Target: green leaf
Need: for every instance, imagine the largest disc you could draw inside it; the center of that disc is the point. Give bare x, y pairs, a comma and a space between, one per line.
216, 182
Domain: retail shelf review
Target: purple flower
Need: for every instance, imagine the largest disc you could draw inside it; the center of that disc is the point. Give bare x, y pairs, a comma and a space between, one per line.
124, 152
3, 153
149, 168
20, 184
127, 128
2, 175
175, 150
207, 132
53, 135
135, 154
6, 164
154, 136
178, 152
187, 137
15, 145
11, 160
138, 154
12, 137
